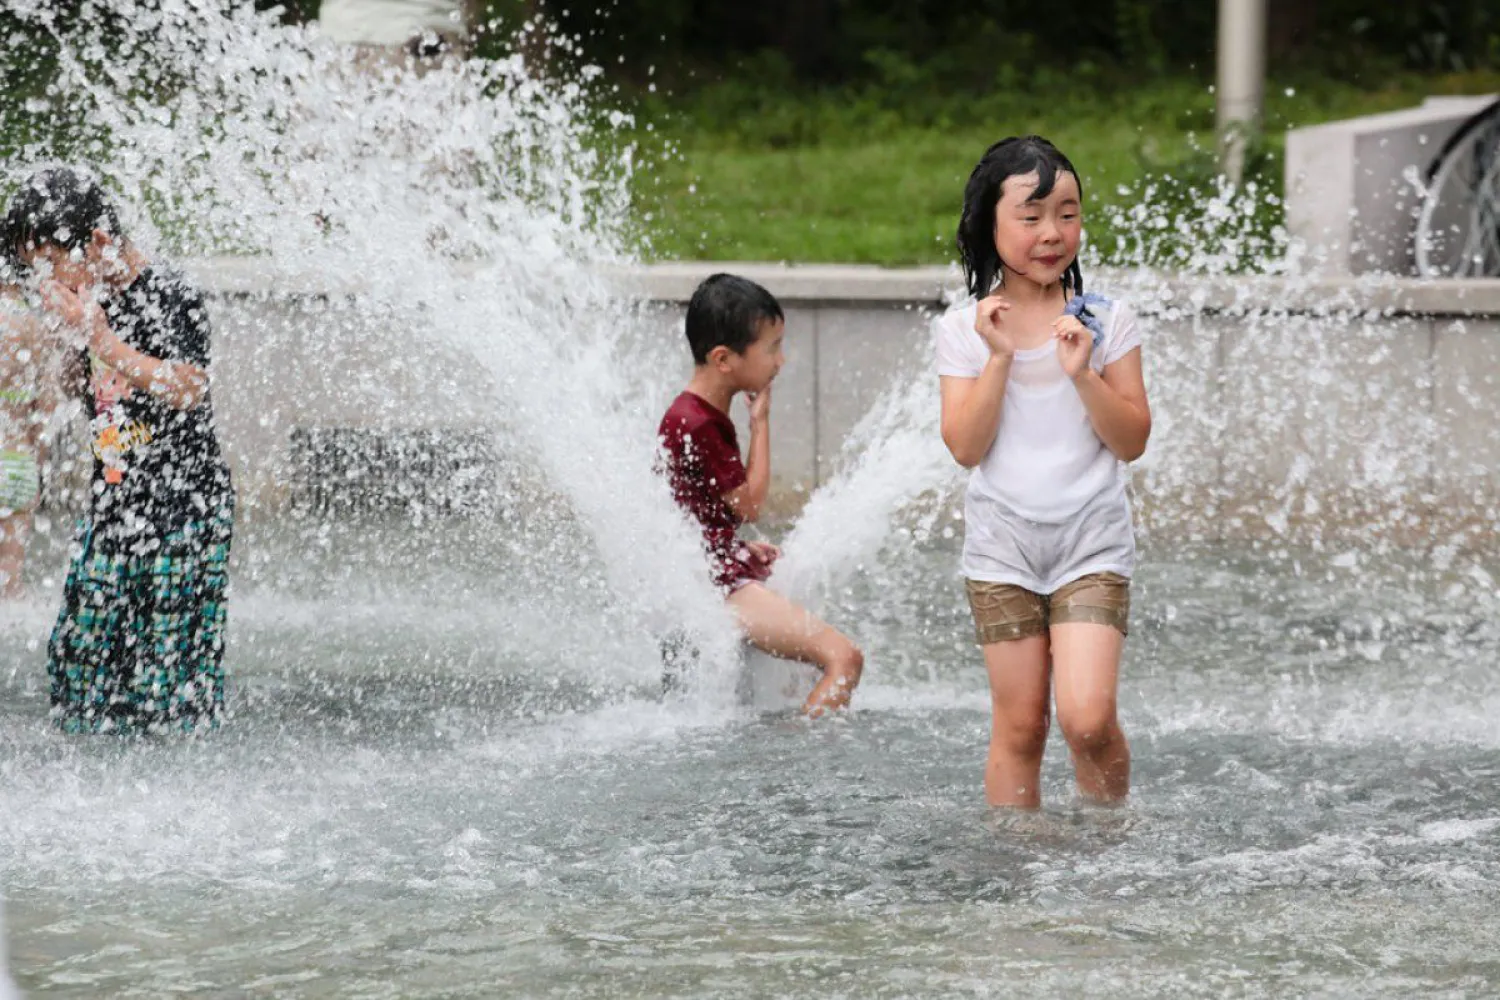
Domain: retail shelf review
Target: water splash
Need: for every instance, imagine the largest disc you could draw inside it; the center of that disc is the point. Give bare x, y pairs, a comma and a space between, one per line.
891, 485
464, 206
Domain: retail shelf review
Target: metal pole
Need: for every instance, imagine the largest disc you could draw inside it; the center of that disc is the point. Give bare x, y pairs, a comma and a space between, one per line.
1242, 80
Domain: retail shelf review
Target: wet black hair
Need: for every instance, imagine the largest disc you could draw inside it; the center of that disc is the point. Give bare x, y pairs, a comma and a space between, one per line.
728, 311
1012, 157
60, 207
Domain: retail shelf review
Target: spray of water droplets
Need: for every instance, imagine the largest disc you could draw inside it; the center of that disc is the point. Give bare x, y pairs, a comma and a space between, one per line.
464, 208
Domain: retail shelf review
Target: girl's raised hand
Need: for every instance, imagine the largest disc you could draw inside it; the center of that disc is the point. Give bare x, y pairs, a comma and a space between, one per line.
989, 323
1075, 345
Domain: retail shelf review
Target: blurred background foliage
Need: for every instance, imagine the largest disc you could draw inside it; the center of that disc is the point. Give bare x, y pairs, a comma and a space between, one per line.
843, 129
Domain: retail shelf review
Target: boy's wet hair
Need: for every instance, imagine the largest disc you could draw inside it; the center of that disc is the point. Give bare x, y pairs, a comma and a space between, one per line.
728, 311
58, 207
1016, 156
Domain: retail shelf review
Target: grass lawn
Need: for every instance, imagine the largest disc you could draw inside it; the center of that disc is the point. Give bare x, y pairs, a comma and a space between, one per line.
834, 178
757, 167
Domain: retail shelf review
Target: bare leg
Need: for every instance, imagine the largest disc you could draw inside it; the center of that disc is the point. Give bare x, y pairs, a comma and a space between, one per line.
1019, 689
1086, 668
14, 530
776, 625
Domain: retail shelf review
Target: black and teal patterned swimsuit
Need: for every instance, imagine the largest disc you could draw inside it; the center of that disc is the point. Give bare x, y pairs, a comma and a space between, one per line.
139, 643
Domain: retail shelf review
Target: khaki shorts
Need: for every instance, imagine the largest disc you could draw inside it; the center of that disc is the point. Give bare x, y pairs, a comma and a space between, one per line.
1003, 611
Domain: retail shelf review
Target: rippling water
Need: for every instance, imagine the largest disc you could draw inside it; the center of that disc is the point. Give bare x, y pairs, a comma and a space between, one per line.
441, 786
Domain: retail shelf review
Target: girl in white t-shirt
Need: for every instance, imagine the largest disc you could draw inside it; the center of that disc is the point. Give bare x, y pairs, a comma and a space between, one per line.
1043, 398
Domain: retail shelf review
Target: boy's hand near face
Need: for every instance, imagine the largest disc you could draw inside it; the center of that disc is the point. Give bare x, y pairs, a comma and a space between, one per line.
760, 405
180, 385
70, 312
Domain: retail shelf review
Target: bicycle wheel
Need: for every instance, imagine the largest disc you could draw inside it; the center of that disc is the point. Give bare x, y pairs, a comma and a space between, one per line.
1457, 234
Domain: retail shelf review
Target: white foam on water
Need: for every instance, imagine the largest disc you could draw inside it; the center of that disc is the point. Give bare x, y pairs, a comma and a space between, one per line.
1453, 831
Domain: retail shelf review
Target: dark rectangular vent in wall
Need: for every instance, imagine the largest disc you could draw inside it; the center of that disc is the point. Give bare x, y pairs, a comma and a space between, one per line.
384, 469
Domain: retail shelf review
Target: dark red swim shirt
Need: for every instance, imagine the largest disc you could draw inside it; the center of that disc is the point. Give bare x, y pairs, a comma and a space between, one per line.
701, 453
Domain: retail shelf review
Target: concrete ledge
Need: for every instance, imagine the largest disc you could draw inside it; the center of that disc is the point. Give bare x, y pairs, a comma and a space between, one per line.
807, 283
1386, 296
1152, 292
1285, 407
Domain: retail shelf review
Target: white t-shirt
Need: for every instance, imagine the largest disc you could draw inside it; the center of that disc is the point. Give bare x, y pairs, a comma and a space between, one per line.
1046, 463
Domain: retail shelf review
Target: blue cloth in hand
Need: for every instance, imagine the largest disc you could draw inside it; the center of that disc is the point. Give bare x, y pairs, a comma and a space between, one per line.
1078, 307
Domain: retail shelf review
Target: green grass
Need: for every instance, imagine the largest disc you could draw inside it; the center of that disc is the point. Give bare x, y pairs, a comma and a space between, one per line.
759, 167
849, 177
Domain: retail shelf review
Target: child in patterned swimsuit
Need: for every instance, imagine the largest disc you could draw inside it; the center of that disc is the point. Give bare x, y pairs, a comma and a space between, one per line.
139, 643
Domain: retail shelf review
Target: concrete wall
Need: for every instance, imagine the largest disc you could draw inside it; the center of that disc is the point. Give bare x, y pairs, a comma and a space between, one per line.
1352, 189
1283, 407
1278, 402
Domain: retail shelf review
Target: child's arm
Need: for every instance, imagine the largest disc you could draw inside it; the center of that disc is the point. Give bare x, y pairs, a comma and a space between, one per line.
1115, 399
971, 410
971, 406
746, 501
178, 384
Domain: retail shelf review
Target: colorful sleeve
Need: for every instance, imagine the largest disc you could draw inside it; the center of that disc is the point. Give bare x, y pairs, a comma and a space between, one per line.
1124, 334
957, 352
722, 466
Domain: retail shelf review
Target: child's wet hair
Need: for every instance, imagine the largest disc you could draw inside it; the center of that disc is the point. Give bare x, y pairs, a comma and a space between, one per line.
60, 207
728, 311
1016, 156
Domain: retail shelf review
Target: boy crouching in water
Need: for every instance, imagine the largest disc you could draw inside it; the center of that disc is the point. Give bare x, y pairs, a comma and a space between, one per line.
735, 329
